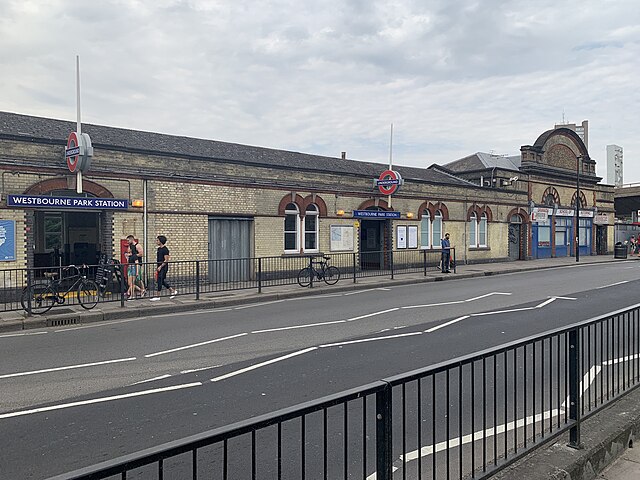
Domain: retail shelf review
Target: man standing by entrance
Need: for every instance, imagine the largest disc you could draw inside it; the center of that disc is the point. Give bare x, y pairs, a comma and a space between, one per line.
446, 253
162, 268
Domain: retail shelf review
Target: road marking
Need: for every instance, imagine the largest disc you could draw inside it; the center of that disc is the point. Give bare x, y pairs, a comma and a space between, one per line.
99, 400
486, 295
152, 379
361, 291
104, 324
372, 314
298, 326
482, 314
69, 367
195, 345
450, 322
613, 284
199, 369
262, 364
253, 305
620, 360
457, 302
21, 334
369, 339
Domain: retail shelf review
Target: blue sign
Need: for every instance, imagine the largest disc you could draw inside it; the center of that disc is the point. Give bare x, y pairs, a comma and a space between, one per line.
35, 201
7, 240
375, 214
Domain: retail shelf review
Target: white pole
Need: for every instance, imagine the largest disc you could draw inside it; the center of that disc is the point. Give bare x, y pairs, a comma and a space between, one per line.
390, 159
79, 125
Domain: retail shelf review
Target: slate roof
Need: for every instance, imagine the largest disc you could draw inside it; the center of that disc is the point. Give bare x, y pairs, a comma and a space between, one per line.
39, 129
483, 161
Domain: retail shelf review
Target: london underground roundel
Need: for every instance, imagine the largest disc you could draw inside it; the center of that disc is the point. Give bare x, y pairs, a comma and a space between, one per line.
389, 182
72, 152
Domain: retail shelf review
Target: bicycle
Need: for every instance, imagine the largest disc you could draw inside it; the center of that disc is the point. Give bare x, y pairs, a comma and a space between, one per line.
43, 296
329, 274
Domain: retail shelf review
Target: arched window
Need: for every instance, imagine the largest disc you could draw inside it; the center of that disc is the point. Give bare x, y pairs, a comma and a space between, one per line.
436, 230
482, 231
473, 230
477, 230
425, 229
291, 228
310, 228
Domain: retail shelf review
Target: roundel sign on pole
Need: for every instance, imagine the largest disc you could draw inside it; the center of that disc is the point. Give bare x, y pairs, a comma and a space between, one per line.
72, 152
389, 182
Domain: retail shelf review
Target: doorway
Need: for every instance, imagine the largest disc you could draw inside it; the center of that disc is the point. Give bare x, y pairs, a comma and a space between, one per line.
230, 249
515, 236
66, 238
375, 241
601, 240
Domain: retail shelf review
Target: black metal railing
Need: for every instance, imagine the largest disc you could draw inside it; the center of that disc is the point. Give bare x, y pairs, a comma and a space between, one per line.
464, 418
201, 277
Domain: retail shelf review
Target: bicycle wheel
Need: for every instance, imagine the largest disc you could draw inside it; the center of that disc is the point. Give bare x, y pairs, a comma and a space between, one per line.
42, 296
88, 294
331, 275
304, 277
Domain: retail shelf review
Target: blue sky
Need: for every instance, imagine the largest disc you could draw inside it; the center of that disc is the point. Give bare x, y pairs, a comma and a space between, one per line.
330, 76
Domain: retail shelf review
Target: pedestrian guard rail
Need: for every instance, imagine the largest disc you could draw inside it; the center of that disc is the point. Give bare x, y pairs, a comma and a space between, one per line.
202, 277
468, 417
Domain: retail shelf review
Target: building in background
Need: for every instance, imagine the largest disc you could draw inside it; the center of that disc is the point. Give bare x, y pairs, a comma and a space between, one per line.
582, 130
614, 165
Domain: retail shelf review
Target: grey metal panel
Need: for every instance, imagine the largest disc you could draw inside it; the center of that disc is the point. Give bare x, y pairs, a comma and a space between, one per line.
229, 249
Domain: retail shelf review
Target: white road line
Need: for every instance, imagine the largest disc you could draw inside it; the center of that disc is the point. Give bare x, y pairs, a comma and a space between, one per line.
486, 295
546, 302
298, 326
360, 291
99, 400
456, 302
152, 379
369, 339
383, 289
195, 345
372, 314
254, 305
69, 367
199, 369
613, 284
482, 314
450, 322
262, 364
105, 324
21, 334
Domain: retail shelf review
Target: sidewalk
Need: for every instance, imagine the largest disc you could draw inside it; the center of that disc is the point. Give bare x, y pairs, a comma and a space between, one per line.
627, 467
75, 315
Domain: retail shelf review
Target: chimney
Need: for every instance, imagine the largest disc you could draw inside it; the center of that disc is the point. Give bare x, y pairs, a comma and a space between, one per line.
344, 155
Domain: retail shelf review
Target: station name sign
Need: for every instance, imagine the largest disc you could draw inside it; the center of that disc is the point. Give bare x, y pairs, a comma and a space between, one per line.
37, 201
375, 214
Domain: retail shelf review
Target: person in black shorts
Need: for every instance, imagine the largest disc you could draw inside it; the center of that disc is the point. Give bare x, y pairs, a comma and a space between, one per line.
162, 268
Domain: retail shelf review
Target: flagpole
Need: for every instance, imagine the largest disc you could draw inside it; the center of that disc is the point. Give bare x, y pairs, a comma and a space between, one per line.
79, 123
390, 159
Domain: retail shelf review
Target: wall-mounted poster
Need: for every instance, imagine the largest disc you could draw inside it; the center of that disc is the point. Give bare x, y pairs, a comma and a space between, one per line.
412, 236
341, 238
7, 240
402, 236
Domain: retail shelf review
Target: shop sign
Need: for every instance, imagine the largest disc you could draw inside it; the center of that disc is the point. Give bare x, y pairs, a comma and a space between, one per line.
78, 152
601, 219
7, 240
586, 213
565, 212
540, 214
36, 201
389, 182
375, 214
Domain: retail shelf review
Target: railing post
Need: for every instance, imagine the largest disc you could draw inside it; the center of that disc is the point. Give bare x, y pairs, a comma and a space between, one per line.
384, 461
574, 388
259, 274
311, 273
354, 267
197, 279
391, 262
29, 312
455, 264
123, 284
424, 262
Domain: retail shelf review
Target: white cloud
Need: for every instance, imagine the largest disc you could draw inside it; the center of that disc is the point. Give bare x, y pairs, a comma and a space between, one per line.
325, 77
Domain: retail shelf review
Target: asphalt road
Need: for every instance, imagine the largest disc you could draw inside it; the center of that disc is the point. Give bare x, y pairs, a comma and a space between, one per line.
181, 374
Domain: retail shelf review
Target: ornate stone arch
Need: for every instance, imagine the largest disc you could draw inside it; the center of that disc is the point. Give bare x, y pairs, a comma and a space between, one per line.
292, 197
432, 208
583, 200
61, 183
373, 202
318, 201
521, 212
478, 210
548, 193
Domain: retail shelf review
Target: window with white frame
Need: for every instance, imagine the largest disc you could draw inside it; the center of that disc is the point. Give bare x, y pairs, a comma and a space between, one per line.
425, 228
477, 230
310, 228
291, 228
436, 230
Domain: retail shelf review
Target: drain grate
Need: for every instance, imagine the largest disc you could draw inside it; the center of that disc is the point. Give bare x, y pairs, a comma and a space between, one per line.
59, 322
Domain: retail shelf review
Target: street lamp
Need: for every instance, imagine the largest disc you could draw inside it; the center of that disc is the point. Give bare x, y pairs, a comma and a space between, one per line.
578, 162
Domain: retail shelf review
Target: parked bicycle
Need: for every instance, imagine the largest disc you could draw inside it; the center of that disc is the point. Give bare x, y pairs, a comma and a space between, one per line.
329, 274
41, 297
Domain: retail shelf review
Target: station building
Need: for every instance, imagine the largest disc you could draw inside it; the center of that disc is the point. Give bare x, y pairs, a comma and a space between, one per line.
216, 200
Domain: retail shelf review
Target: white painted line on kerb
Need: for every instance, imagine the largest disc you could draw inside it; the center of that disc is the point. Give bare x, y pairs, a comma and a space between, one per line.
21, 334
99, 400
372, 314
152, 379
614, 284
258, 365
339, 344
298, 326
195, 345
69, 367
450, 322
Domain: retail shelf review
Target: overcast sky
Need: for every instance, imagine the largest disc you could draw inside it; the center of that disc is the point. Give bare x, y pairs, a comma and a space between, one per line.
453, 76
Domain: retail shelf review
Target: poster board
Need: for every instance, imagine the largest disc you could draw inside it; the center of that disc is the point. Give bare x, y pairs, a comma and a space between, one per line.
412, 236
7, 240
402, 236
341, 238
